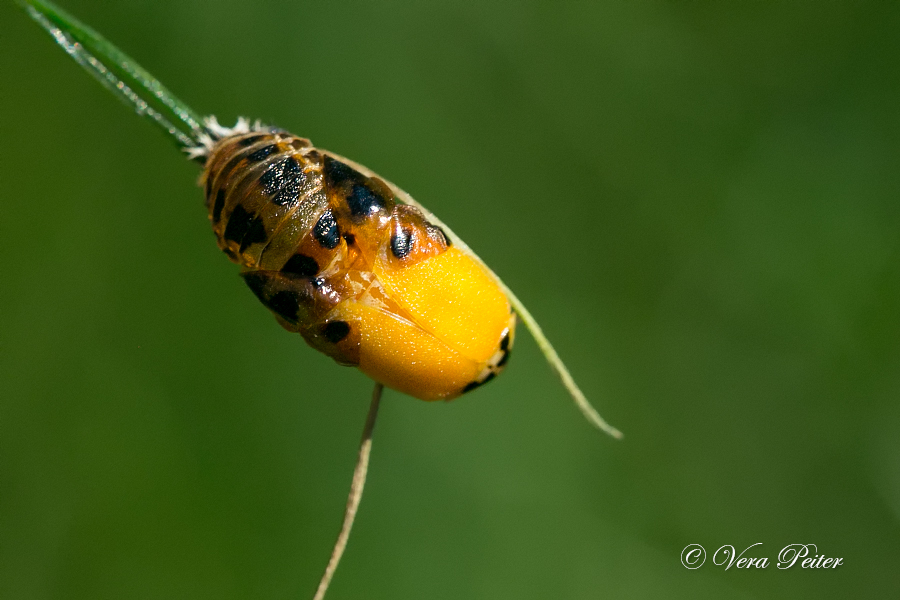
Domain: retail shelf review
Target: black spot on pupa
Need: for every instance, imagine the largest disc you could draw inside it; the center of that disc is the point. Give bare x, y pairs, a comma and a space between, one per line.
362, 199
337, 173
263, 153
349, 238
287, 196
326, 231
402, 243
282, 180
285, 304
271, 178
505, 358
218, 206
291, 167
444, 234
335, 331
279, 174
256, 282
302, 265
363, 202
477, 384
256, 234
239, 223
504, 343
249, 141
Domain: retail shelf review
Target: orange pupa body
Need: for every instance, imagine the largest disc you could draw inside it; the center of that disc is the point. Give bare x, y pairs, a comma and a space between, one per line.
363, 278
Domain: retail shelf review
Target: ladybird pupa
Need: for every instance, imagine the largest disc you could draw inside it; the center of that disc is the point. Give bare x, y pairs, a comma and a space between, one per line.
363, 278
338, 254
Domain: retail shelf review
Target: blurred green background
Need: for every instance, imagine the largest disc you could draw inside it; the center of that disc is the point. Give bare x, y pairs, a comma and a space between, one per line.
700, 202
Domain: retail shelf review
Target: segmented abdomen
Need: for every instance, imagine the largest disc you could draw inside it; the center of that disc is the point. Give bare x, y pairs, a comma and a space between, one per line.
262, 192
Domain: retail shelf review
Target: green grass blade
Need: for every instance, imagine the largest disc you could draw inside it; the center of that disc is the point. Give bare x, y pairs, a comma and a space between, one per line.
118, 73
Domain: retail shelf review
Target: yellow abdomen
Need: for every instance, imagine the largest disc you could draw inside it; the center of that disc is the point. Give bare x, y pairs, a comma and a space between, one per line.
461, 336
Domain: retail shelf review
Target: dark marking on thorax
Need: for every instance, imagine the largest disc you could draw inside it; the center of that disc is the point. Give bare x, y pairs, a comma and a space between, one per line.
363, 202
402, 242
364, 197
326, 231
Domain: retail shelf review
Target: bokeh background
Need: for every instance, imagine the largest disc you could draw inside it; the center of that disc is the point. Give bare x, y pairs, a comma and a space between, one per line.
699, 201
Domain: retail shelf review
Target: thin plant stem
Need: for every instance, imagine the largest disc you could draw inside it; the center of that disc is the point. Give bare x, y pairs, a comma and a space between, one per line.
118, 72
556, 363
356, 491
